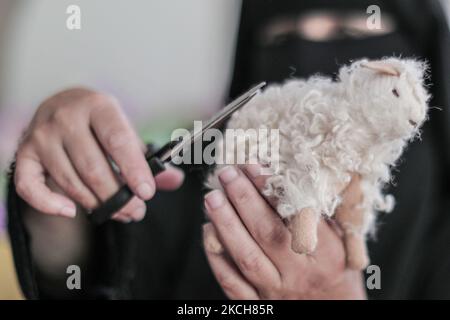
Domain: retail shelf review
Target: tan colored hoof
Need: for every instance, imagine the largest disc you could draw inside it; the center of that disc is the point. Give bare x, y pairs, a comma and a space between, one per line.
304, 245
357, 258
303, 227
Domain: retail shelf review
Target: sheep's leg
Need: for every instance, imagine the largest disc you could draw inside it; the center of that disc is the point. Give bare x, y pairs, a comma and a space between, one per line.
350, 217
303, 227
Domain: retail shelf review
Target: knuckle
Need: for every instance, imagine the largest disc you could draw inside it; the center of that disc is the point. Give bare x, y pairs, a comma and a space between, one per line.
40, 134
274, 235
227, 283
78, 193
25, 150
89, 203
22, 187
94, 174
132, 174
240, 193
71, 188
275, 293
227, 223
61, 117
118, 139
102, 100
315, 281
250, 263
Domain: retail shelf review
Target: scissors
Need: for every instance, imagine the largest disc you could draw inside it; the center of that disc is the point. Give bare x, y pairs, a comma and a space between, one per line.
156, 158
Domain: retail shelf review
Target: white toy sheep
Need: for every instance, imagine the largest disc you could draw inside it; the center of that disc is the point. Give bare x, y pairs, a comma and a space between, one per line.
338, 141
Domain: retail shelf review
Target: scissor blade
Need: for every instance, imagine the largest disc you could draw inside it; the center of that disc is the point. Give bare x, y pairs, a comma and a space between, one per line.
213, 122
232, 107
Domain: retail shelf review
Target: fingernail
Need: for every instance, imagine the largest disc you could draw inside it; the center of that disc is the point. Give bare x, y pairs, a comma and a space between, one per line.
140, 212
254, 170
228, 174
125, 219
145, 192
69, 212
214, 199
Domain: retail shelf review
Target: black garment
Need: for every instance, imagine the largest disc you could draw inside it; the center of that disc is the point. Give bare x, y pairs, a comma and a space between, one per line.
162, 256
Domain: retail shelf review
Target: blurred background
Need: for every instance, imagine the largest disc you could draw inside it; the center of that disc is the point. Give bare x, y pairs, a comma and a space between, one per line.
168, 62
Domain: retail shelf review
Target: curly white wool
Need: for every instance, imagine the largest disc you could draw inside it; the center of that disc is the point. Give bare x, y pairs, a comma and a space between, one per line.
329, 130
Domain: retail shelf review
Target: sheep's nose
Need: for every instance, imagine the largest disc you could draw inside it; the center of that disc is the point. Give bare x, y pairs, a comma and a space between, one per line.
413, 123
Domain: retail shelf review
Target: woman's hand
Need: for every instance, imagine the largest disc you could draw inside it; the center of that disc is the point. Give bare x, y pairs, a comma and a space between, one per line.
63, 158
249, 248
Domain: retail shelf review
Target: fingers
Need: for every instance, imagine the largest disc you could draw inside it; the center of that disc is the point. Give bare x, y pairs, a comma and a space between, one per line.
355, 247
350, 218
122, 144
255, 173
96, 172
245, 252
263, 223
63, 147
31, 186
56, 162
135, 210
349, 213
228, 276
170, 179
330, 252
91, 163
325, 237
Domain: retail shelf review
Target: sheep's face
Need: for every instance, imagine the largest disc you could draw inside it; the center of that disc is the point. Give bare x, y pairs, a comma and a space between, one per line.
390, 94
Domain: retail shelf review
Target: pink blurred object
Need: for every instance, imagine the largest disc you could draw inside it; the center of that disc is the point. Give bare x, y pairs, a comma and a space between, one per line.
2, 217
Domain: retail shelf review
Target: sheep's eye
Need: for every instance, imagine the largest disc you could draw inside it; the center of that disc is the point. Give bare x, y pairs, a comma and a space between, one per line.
395, 92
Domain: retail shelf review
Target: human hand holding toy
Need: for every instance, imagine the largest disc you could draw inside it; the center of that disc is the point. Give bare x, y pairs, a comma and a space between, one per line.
249, 247
336, 137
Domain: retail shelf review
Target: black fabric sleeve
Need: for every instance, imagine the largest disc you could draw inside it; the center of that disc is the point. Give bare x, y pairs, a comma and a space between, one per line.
20, 241
108, 273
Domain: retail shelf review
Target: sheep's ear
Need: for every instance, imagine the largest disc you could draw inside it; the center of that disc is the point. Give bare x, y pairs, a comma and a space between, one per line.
381, 67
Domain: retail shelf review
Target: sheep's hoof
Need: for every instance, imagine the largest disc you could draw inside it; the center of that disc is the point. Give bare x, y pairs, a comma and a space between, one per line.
303, 227
305, 245
356, 251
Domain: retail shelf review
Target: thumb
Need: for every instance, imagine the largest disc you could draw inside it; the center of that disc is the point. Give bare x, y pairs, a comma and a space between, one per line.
170, 179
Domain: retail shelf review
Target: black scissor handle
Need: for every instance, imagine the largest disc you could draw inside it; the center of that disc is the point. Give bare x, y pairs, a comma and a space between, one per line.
116, 202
